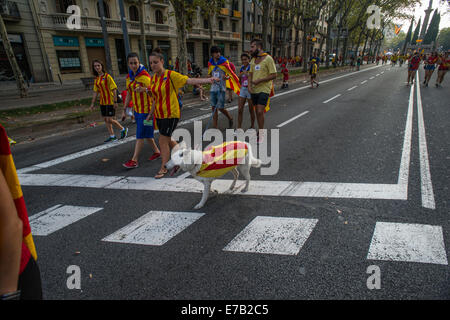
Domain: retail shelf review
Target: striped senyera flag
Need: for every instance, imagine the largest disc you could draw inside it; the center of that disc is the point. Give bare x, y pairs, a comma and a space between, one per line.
9, 171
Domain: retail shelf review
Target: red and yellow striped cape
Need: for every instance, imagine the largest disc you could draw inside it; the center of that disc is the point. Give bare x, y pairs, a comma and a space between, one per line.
218, 160
233, 81
9, 171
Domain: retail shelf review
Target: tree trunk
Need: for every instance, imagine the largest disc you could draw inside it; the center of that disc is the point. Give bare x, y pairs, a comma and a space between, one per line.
344, 53
143, 38
364, 48
305, 60
12, 60
180, 15
296, 41
105, 36
267, 8
211, 30
328, 39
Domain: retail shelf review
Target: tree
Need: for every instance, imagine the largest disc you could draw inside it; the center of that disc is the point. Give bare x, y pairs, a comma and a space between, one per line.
433, 29
209, 10
408, 37
12, 58
183, 10
444, 39
416, 33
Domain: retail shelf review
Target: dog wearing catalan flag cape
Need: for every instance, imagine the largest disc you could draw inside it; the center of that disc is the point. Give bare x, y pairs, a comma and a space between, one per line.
214, 162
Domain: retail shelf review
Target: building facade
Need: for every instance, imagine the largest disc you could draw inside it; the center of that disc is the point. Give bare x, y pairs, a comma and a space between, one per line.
48, 50
21, 26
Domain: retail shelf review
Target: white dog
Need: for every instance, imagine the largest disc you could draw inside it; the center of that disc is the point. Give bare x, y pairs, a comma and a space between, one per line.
214, 162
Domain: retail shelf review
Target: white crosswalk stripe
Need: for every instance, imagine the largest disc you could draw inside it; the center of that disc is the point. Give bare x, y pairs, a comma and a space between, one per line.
284, 236
58, 217
408, 243
154, 228
400, 242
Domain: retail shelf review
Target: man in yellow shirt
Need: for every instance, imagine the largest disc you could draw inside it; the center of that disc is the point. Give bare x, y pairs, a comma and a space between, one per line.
261, 76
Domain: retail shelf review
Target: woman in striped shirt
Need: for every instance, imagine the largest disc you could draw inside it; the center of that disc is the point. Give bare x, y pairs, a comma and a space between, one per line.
105, 86
139, 78
163, 89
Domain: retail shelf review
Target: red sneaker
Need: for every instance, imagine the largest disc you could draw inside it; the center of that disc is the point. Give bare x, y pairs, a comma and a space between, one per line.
156, 155
130, 164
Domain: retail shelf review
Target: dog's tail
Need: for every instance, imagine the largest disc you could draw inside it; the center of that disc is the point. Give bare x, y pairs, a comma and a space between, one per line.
254, 162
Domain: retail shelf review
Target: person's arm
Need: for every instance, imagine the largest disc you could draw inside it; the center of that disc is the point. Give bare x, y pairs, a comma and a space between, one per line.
94, 98
194, 81
249, 86
126, 103
152, 110
115, 98
11, 230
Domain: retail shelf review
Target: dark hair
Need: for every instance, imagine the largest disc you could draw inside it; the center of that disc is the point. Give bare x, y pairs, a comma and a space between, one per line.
95, 71
245, 54
215, 49
132, 55
258, 42
157, 52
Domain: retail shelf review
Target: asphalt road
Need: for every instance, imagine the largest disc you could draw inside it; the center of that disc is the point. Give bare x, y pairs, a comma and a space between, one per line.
390, 211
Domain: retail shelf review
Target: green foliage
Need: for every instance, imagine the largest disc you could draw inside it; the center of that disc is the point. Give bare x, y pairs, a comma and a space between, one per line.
433, 29
444, 38
416, 33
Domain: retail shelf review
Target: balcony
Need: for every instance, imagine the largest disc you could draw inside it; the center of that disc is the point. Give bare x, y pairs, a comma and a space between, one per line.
160, 3
10, 11
224, 11
58, 21
236, 15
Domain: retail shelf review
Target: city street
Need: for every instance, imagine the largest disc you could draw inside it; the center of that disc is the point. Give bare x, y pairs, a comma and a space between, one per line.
363, 180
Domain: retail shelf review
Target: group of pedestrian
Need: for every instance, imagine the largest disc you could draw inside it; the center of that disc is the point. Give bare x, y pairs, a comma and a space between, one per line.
431, 62
156, 103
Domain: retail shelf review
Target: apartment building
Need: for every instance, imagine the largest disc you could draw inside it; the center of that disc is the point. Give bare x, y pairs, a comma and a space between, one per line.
48, 50
227, 33
20, 21
71, 51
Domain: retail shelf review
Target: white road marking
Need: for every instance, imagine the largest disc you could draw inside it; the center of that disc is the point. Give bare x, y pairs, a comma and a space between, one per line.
273, 235
338, 95
350, 89
403, 174
371, 78
425, 175
382, 72
58, 217
90, 151
154, 228
292, 119
256, 188
377, 75
364, 82
408, 243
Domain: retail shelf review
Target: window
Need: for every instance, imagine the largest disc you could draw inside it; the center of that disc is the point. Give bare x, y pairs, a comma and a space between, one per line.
235, 5
62, 5
69, 61
205, 24
220, 25
105, 8
233, 27
249, 16
159, 17
259, 19
134, 13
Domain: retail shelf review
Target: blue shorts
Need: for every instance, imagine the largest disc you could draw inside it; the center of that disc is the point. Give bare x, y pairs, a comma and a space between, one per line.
142, 132
430, 67
244, 93
217, 99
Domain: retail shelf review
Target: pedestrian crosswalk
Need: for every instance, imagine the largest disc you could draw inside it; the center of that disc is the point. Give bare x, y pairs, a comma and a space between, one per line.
402, 242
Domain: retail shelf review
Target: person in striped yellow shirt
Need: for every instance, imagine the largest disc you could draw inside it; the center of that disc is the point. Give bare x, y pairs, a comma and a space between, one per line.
105, 86
163, 89
138, 77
